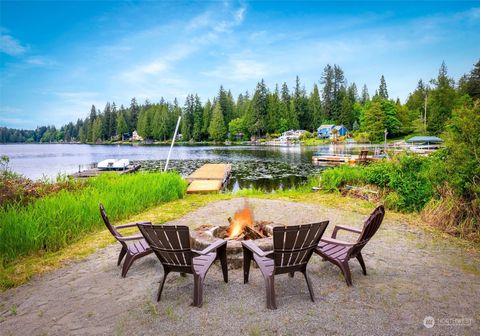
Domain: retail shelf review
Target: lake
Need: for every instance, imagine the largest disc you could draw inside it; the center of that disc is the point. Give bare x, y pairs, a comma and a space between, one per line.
266, 167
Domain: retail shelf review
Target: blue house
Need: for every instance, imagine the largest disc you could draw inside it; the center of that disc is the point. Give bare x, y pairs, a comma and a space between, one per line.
341, 130
326, 131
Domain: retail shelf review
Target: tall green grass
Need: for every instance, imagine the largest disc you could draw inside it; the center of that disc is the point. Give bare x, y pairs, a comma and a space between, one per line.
52, 222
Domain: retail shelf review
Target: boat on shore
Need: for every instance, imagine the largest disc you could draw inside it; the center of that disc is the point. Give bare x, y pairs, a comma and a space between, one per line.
112, 164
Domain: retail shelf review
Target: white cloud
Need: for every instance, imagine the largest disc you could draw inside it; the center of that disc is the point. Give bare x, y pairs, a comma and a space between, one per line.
201, 32
10, 45
239, 69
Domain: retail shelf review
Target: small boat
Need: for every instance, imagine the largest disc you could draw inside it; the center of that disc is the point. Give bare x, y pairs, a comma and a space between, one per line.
106, 164
121, 164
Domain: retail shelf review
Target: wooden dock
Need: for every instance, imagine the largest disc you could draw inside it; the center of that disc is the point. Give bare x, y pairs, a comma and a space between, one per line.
208, 178
95, 172
342, 159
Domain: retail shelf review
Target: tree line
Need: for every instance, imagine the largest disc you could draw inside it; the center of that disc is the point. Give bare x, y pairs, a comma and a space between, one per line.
271, 112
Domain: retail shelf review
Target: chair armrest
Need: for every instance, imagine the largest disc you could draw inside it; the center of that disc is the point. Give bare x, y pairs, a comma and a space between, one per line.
255, 249
136, 237
344, 227
336, 241
215, 245
127, 225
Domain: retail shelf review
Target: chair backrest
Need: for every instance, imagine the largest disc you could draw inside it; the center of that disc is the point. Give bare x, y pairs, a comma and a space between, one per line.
370, 227
293, 245
363, 155
171, 243
109, 226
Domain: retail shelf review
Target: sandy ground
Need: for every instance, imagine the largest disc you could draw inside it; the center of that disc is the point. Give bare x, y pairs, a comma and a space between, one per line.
410, 277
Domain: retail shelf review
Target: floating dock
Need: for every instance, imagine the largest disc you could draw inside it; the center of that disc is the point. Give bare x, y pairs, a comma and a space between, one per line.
342, 159
95, 172
209, 178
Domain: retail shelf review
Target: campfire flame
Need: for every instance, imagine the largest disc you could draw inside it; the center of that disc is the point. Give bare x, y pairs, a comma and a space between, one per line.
241, 219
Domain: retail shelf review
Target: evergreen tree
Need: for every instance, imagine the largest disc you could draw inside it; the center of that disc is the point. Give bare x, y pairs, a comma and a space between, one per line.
338, 91
113, 121
82, 137
217, 129
144, 125
315, 107
187, 118
206, 117
273, 113
288, 119
470, 84
133, 115
197, 119
243, 103
346, 111
122, 126
365, 96
440, 102
382, 90
231, 114
107, 115
328, 91
416, 99
226, 104
96, 130
300, 106
156, 127
257, 113
93, 116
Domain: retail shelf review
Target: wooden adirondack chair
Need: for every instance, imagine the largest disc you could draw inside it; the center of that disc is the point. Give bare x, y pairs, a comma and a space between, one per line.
292, 248
340, 252
363, 157
171, 244
133, 247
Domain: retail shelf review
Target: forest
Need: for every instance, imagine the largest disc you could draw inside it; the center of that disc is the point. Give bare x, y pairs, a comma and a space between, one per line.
269, 112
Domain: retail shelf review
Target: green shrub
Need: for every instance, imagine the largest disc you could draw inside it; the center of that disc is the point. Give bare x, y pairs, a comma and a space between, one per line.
378, 174
335, 178
52, 222
404, 180
409, 180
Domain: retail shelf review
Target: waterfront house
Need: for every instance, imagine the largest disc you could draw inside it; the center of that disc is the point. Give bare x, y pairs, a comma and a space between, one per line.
136, 137
341, 130
326, 131
291, 135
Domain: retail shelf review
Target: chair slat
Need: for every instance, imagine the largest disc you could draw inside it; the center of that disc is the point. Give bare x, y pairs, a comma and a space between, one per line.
294, 245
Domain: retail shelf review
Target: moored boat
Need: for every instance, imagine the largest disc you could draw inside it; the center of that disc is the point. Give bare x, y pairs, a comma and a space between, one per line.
106, 164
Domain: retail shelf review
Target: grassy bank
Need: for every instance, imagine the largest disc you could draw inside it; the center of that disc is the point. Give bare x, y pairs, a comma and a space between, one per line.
53, 222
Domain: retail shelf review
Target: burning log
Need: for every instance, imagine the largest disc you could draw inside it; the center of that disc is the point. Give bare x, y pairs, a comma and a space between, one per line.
242, 226
252, 233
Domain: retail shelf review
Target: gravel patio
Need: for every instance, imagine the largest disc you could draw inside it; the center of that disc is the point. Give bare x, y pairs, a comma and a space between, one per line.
411, 276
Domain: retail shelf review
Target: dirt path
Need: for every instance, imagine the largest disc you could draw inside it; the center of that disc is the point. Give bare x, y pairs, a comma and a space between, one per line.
410, 277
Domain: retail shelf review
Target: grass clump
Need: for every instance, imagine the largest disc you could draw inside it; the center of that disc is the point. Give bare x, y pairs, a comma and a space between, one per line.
53, 222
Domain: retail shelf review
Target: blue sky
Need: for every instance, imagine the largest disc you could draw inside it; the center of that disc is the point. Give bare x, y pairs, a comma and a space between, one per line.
59, 58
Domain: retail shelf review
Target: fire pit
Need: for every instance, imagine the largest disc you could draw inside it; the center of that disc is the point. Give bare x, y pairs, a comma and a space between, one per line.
242, 227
